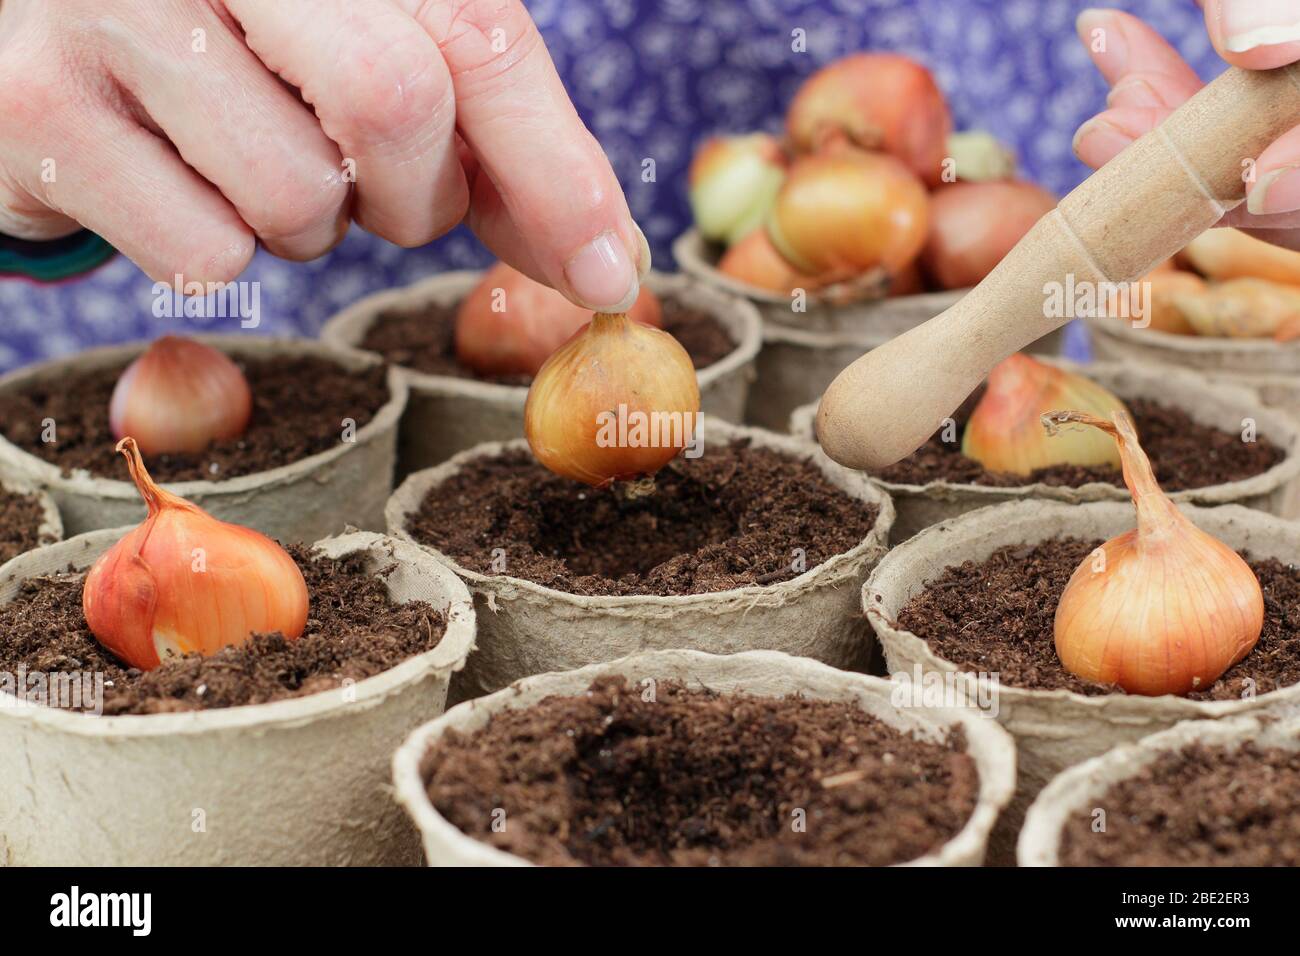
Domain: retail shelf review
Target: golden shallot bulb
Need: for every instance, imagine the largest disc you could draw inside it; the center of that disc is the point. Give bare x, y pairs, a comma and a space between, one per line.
1164, 608
180, 396
880, 101
1241, 308
1005, 432
974, 225
732, 182
844, 212
616, 402
510, 324
184, 582
755, 262
1222, 254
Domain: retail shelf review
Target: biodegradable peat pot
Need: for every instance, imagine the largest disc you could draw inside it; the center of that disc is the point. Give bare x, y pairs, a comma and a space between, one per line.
757, 673
292, 782
447, 414
303, 501
526, 628
1236, 359
1079, 789
48, 528
804, 351
1055, 729
1218, 405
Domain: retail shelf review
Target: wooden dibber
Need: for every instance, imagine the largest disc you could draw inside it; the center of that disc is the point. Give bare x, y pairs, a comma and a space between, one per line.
1137, 210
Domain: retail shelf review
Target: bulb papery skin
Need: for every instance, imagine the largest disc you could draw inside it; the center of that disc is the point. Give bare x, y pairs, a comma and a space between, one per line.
1005, 431
509, 324
183, 582
733, 181
879, 101
616, 402
1240, 309
179, 397
844, 212
1162, 609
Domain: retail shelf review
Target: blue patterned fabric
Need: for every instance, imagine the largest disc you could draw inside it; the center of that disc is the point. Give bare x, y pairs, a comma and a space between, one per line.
652, 78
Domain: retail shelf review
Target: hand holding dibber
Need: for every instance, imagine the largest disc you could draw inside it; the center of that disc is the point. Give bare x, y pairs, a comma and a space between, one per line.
1137, 210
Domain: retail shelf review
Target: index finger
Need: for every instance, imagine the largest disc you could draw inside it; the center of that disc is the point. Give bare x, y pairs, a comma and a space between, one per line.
1254, 34
555, 184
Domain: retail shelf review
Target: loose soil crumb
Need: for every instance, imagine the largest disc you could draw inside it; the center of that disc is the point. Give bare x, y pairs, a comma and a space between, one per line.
998, 615
354, 630
1184, 453
731, 518
696, 778
20, 521
299, 407
423, 338
1200, 806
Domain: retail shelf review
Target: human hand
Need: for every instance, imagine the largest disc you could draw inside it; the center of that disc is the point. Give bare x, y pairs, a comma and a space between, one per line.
1149, 80
183, 131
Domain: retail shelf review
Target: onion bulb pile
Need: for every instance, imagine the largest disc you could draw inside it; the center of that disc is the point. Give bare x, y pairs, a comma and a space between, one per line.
616, 402
1164, 608
183, 582
179, 397
510, 324
1005, 432
868, 176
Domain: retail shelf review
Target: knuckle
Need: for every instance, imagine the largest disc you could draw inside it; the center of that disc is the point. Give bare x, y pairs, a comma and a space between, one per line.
396, 92
302, 203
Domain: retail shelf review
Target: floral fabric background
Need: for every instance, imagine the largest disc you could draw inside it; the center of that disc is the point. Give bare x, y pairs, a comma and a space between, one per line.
652, 78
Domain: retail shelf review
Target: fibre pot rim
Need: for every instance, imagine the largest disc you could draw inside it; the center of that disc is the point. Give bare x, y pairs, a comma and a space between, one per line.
1054, 518
82, 482
989, 745
1191, 344
449, 656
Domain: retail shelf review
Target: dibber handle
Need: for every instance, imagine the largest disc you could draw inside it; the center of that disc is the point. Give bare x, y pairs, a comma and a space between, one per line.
1137, 210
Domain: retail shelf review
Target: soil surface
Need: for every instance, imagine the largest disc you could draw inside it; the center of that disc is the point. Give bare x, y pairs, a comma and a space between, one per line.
20, 520
423, 339
1184, 453
736, 516
997, 616
354, 631
299, 407
694, 778
1200, 806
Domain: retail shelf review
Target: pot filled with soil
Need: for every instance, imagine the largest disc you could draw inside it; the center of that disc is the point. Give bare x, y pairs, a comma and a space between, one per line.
1203, 793
453, 406
975, 599
757, 543
679, 758
270, 752
310, 449
1211, 444
28, 519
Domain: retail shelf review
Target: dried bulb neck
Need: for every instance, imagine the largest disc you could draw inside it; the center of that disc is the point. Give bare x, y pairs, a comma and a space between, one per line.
608, 321
155, 498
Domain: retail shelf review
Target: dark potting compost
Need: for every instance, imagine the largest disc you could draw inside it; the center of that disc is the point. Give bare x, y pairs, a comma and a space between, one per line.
1199, 806
731, 518
20, 521
423, 339
997, 615
697, 778
300, 405
1184, 453
354, 631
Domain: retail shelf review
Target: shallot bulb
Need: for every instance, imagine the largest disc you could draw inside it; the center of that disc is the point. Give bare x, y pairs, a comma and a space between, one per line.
974, 225
732, 182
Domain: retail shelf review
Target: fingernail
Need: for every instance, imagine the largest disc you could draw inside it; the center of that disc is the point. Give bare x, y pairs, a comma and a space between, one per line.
1278, 190
1257, 23
1103, 137
602, 275
1100, 32
643, 254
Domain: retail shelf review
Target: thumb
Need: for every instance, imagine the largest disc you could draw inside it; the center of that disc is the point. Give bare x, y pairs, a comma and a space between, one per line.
1255, 34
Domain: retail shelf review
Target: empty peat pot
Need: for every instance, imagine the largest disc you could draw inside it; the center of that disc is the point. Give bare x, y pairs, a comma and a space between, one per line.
174, 777
1254, 363
29, 519
760, 543
804, 350
318, 454
685, 758
975, 598
1192, 428
1203, 793
451, 410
